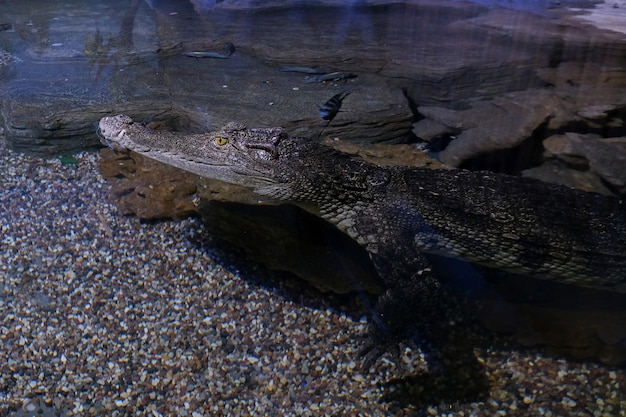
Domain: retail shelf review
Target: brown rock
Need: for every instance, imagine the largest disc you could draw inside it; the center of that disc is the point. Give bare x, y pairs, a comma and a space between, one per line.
604, 157
589, 89
146, 188
558, 145
563, 148
554, 171
387, 155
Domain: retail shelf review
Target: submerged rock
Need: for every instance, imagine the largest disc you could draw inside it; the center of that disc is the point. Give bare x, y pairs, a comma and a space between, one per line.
492, 125
505, 133
604, 157
38, 126
387, 155
147, 188
557, 172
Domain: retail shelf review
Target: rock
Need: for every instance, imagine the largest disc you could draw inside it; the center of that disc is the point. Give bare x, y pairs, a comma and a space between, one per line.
558, 145
563, 148
428, 129
607, 157
589, 92
559, 173
382, 117
595, 111
580, 95
604, 157
502, 123
37, 127
453, 120
499, 51
387, 155
147, 188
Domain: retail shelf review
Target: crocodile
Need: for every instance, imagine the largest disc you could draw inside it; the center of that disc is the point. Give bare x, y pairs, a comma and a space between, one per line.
402, 214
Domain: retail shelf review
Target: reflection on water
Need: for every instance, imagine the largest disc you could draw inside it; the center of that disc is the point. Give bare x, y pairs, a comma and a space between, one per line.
98, 317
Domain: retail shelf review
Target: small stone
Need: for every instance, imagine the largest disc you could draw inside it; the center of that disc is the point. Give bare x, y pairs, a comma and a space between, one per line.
568, 402
31, 406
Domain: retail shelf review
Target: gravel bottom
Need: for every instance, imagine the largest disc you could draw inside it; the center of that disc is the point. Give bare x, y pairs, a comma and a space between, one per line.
102, 314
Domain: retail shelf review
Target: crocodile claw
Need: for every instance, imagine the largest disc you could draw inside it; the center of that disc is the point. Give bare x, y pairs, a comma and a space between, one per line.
372, 351
379, 341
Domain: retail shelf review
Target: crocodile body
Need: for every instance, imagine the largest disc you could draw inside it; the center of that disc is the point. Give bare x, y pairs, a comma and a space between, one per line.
399, 213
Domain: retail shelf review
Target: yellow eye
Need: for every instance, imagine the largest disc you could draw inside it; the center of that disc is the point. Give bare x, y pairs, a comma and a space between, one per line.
221, 140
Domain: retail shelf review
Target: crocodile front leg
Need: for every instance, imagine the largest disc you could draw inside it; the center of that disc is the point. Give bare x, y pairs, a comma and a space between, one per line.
413, 306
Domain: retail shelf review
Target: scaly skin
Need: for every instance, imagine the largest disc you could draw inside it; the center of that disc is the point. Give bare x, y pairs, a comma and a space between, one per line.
397, 214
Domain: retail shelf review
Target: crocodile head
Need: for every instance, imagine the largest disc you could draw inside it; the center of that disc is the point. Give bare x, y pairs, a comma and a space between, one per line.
112, 131
234, 154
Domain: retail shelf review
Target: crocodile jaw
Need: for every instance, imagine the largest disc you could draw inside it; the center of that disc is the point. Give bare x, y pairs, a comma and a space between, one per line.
121, 133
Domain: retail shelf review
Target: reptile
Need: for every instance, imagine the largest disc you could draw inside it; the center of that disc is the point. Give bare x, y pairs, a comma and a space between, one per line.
401, 214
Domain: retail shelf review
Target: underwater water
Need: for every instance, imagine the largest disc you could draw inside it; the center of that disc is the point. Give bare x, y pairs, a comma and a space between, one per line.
129, 287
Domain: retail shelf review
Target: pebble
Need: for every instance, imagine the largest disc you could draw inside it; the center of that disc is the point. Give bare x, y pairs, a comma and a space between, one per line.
105, 314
